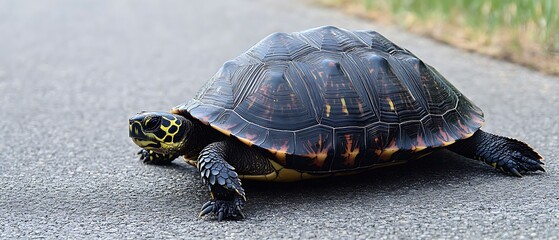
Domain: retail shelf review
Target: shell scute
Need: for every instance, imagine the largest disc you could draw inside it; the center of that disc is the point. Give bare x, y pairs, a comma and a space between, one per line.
351, 148
314, 149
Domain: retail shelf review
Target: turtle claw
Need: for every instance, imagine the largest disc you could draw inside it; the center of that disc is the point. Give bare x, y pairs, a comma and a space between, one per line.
224, 209
240, 212
515, 172
144, 155
519, 164
151, 157
207, 208
206, 205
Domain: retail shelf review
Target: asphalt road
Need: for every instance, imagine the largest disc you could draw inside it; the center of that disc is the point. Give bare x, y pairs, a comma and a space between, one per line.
71, 73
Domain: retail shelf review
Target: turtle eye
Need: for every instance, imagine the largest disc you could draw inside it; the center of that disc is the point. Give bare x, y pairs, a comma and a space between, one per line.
152, 123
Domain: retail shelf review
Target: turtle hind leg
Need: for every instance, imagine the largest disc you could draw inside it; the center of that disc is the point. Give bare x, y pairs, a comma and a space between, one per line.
505, 154
227, 195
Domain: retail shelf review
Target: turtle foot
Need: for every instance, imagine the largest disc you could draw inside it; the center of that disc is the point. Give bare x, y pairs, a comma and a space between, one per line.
517, 163
151, 157
505, 154
224, 209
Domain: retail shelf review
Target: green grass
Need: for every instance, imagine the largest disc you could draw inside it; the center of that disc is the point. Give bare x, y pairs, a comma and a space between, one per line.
540, 18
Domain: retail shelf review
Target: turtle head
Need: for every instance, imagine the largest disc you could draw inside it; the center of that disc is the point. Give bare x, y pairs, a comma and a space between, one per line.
161, 132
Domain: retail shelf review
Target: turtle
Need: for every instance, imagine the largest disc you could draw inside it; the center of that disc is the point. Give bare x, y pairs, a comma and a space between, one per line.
317, 103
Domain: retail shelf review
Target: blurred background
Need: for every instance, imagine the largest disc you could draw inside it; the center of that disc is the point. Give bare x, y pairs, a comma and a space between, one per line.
73, 72
521, 31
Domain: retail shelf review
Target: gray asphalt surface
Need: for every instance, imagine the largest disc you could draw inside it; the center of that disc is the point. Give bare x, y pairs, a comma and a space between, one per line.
71, 73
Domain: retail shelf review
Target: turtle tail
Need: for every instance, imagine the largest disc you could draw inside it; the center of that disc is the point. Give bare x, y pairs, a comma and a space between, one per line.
505, 154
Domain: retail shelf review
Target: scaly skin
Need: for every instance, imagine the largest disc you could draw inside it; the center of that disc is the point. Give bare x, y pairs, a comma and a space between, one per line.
165, 136
504, 154
228, 196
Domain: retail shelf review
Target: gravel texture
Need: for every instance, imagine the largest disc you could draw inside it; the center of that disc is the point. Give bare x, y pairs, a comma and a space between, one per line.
72, 72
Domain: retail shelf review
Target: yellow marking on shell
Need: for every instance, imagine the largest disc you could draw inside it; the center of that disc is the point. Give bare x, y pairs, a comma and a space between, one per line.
445, 138
420, 145
418, 148
390, 103
246, 141
280, 153
328, 110
320, 154
494, 164
468, 135
351, 151
320, 158
386, 153
344, 106
224, 131
447, 143
350, 157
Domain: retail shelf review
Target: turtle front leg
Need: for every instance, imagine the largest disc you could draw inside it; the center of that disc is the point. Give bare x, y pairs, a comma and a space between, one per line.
504, 154
227, 195
151, 157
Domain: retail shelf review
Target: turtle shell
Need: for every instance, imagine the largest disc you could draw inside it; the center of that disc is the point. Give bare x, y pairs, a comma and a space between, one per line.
329, 99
